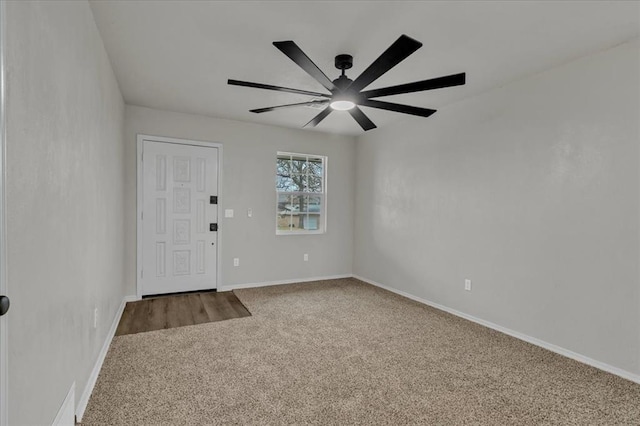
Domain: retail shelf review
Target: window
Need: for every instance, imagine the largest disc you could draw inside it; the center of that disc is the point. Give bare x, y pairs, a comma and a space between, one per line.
300, 191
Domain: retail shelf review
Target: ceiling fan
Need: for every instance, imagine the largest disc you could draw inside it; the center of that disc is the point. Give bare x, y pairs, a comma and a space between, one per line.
347, 94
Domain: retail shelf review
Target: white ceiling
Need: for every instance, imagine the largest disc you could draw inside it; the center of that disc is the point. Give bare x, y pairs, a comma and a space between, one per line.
178, 55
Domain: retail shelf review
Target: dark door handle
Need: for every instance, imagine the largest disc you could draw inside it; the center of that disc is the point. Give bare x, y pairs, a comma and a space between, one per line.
4, 305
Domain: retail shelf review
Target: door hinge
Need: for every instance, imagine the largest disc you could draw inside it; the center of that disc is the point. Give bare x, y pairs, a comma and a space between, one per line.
213, 199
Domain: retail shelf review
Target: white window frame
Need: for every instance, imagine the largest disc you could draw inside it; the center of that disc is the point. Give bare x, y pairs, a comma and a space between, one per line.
323, 194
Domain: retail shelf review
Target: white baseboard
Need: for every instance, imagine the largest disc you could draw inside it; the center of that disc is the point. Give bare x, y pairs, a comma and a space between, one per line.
549, 346
270, 283
66, 414
88, 389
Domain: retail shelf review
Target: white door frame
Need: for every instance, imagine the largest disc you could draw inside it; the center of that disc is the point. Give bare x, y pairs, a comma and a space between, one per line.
4, 352
139, 189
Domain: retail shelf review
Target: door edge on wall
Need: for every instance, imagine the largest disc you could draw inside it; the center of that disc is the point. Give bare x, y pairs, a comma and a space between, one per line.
139, 200
4, 340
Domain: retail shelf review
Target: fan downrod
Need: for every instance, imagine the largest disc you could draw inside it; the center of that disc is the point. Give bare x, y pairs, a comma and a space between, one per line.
343, 62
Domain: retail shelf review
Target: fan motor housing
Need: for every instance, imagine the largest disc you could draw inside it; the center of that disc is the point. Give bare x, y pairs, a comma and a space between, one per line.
342, 82
344, 62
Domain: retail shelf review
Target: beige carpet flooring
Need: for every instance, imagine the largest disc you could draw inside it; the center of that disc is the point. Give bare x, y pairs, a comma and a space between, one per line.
343, 352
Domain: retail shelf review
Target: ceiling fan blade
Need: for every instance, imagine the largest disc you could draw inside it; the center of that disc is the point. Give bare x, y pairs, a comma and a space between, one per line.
405, 109
362, 119
277, 88
273, 108
396, 53
296, 54
318, 118
418, 86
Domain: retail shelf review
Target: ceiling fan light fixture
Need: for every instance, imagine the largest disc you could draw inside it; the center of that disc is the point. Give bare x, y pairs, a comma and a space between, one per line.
345, 94
342, 105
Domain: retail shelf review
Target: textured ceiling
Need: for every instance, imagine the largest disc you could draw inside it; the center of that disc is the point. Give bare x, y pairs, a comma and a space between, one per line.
178, 55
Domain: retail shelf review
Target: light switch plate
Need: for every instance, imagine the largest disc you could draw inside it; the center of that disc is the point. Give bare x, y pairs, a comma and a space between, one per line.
228, 213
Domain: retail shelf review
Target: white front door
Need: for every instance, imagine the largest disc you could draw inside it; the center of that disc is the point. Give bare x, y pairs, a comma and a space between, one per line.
179, 217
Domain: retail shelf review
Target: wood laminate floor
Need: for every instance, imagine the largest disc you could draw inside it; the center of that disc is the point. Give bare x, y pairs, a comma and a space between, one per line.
179, 310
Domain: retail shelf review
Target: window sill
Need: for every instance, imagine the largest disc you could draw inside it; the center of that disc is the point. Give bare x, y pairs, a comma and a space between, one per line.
299, 232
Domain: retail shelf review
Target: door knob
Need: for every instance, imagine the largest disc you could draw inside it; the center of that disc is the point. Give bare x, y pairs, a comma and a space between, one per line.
4, 305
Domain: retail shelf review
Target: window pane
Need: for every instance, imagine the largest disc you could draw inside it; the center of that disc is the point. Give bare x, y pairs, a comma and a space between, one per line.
283, 166
284, 203
312, 222
284, 180
286, 222
313, 184
297, 222
285, 183
298, 203
291, 221
314, 204
304, 204
284, 162
299, 180
285, 219
298, 165
315, 167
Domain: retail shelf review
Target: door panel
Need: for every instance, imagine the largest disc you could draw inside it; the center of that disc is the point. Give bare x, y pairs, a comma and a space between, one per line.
179, 252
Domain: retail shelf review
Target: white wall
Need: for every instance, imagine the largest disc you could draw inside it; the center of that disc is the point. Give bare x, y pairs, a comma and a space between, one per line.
64, 203
249, 182
531, 191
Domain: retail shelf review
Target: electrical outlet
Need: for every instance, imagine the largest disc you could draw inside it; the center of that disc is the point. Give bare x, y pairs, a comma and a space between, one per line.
236, 261
228, 213
249, 213
95, 317
306, 257
467, 284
